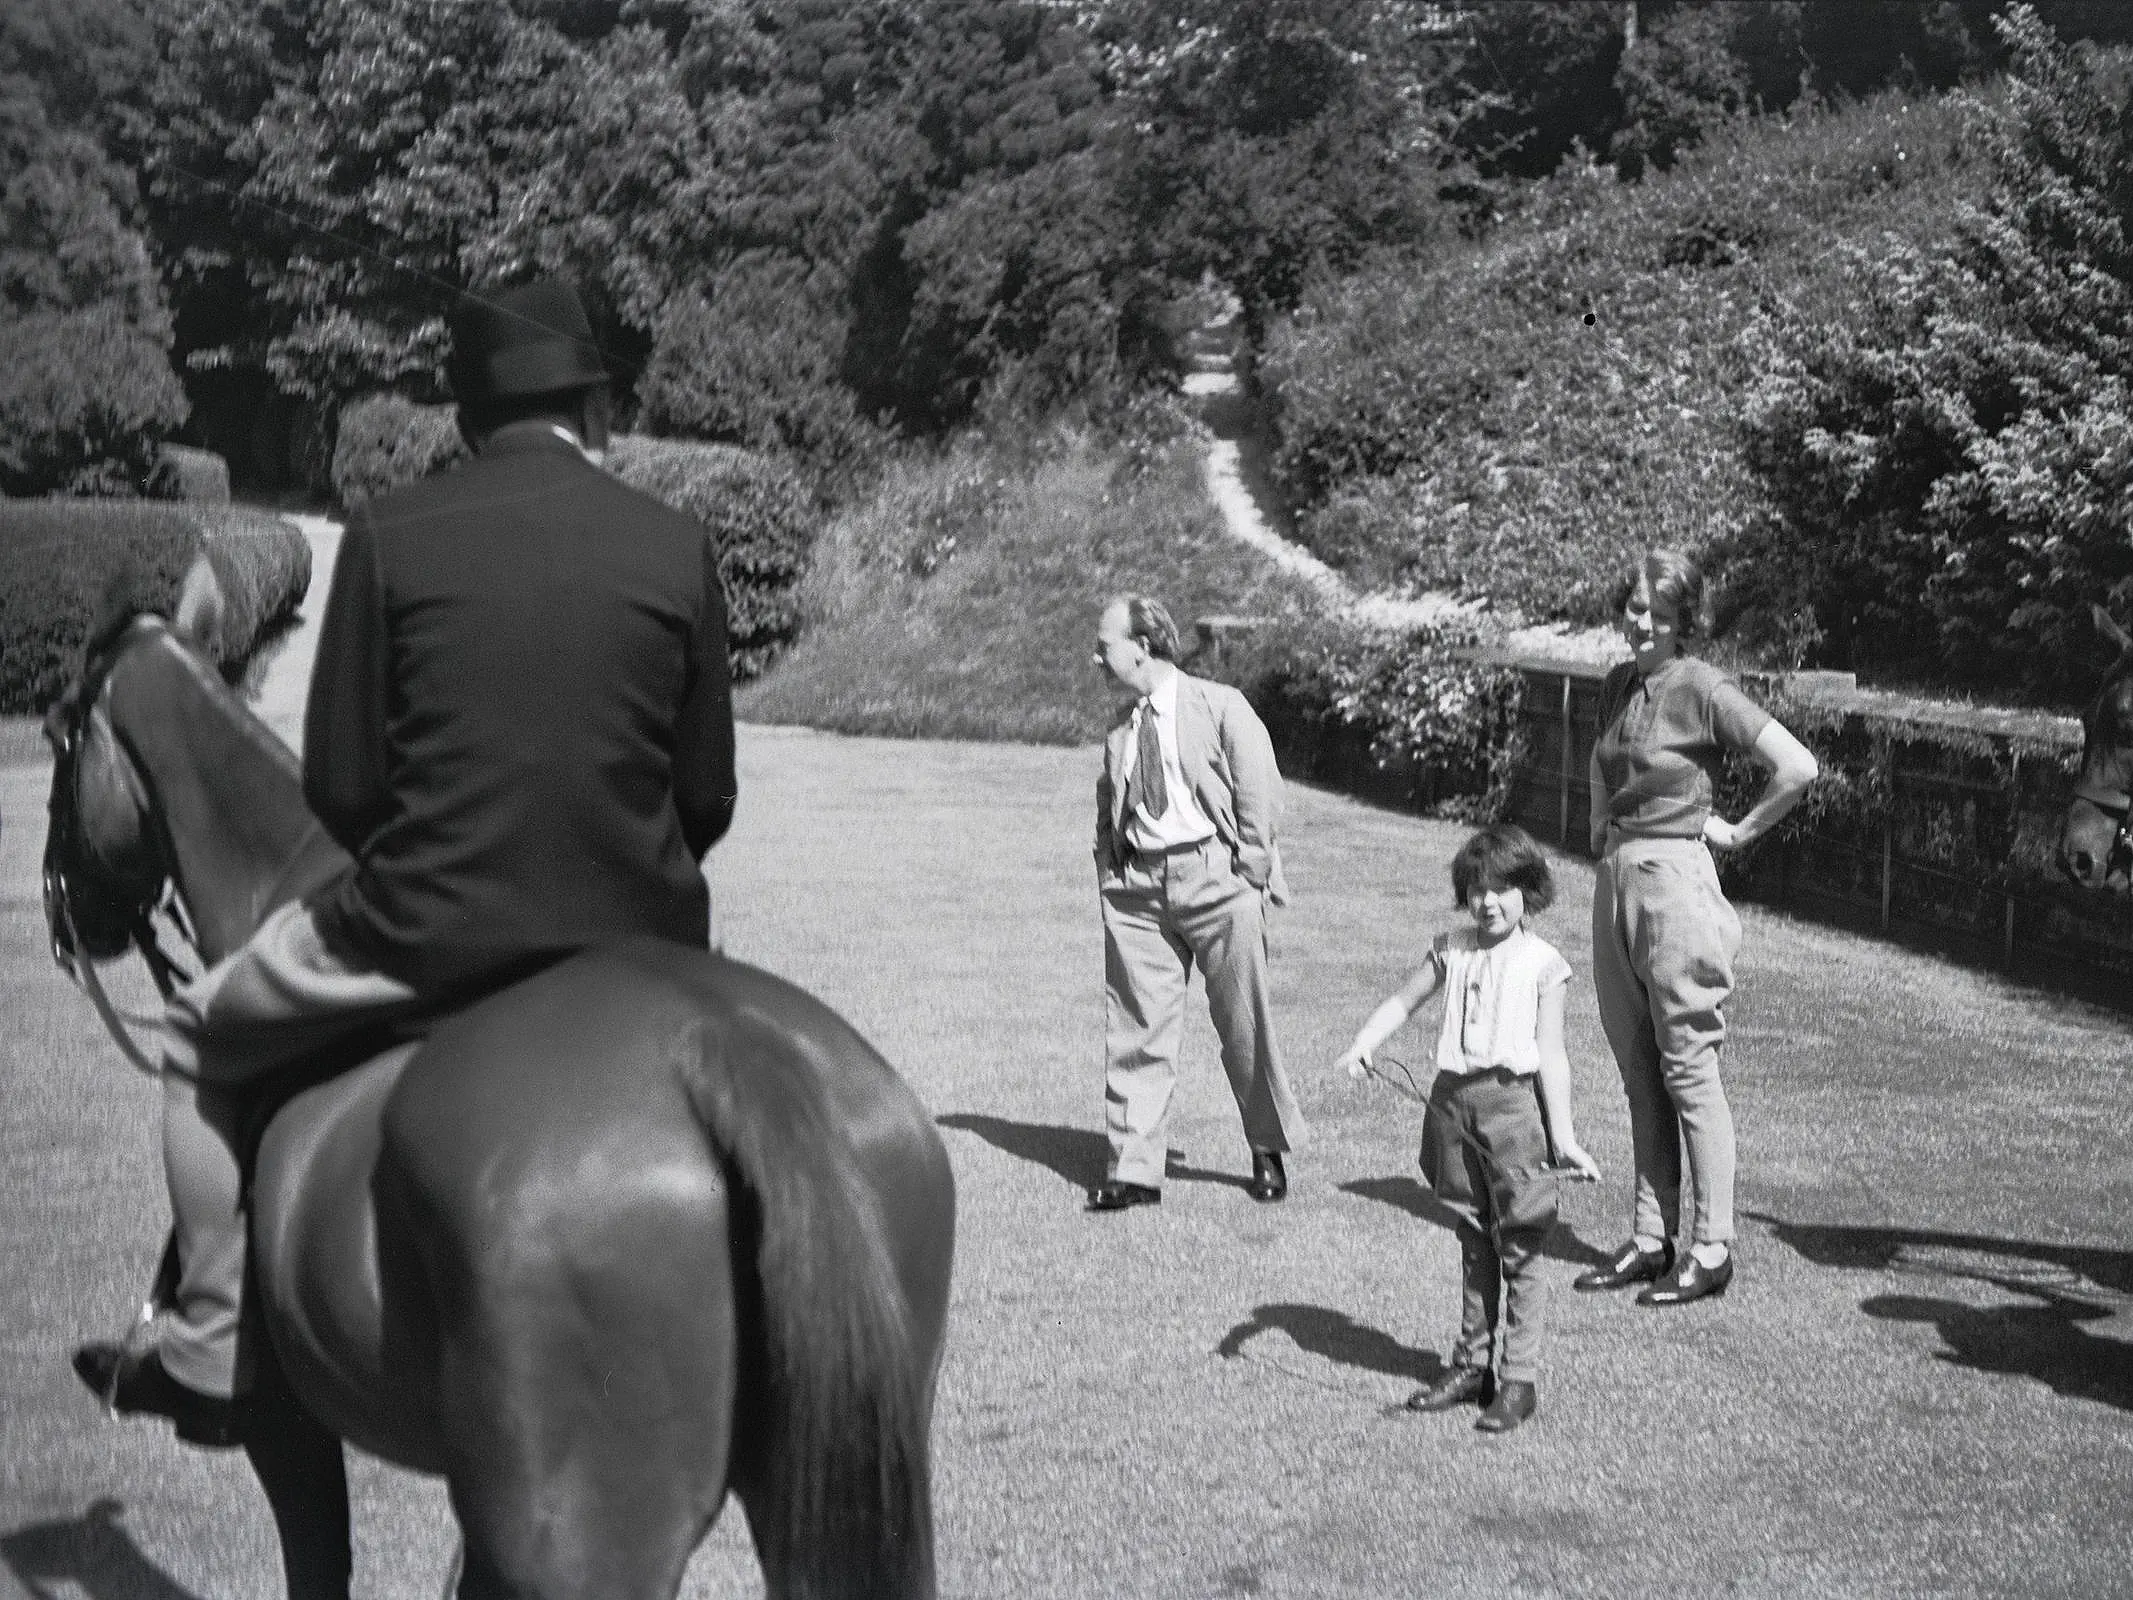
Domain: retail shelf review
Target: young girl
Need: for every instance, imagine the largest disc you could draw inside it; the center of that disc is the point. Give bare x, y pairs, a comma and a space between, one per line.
1485, 1141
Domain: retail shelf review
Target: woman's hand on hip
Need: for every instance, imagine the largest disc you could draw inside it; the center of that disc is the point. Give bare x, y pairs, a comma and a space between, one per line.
1720, 834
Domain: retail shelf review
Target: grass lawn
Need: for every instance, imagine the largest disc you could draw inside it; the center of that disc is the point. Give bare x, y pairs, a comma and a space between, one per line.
1921, 1382
961, 601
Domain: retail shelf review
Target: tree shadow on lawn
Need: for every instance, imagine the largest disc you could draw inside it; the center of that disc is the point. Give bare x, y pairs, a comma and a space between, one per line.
90, 1553
1078, 1155
1334, 1336
1416, 1200
2047, 1342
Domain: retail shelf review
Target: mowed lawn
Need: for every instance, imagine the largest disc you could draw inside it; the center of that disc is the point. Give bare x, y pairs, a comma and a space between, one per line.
1920, 1384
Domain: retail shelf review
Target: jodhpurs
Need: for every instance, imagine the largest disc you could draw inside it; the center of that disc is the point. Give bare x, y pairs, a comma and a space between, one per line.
1506, 1206
1663, 943
279, 997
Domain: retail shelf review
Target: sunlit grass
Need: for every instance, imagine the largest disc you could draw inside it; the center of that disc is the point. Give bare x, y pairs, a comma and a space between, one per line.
960, 602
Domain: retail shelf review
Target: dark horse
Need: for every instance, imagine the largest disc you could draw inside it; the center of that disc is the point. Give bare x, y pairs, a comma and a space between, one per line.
647, 1227
2094, 849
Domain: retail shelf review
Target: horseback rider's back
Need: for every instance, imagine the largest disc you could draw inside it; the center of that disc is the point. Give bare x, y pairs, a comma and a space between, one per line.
521, 719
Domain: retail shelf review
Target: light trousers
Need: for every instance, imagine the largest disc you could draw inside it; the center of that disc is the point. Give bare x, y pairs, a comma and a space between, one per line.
1663, 942
278, 998
1162, 915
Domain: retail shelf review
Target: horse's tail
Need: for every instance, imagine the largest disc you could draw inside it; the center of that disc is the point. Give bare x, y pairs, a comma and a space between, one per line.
839, 1489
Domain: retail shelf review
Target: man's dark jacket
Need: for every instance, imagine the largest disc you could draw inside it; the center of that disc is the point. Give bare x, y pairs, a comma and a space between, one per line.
521, 719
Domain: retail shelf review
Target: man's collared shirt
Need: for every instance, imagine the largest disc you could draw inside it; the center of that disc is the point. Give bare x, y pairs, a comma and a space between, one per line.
1183, 822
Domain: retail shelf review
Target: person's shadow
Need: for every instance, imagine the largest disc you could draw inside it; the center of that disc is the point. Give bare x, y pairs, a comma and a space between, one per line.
1414, 1197
90, 1554
2074, 1284
1334, 1336
1077, 1155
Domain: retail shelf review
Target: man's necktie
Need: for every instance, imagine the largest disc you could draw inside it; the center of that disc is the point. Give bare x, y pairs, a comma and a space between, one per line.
1146, 789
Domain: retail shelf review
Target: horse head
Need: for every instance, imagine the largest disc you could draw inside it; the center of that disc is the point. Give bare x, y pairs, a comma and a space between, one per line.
2094, 848
105, 858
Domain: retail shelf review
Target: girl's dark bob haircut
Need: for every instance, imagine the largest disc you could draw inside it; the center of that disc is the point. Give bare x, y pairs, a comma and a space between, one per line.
1503, 857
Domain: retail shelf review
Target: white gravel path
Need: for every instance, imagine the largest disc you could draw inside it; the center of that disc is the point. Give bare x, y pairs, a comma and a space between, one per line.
1233, 497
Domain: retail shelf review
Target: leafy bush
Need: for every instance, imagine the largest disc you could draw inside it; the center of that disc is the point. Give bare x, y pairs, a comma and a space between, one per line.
385, 441
764, 521
1404, 716
1514, 421
760, 370
1947, 467
85, 398
59, 557
199, 476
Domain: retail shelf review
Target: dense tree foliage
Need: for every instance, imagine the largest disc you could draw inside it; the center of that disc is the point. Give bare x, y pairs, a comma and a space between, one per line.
803, 223
86, 387
1949, 467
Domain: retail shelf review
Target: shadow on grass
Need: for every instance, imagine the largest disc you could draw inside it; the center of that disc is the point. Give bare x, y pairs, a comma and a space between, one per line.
2077, 1284
1077, 1155
1414, 1198
90, 1555
1336, 1337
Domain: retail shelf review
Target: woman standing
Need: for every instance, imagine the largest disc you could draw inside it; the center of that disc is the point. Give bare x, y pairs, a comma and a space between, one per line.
1663, 935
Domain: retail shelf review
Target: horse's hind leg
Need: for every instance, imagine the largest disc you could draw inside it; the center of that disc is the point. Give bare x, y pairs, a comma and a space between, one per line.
299, 1465
589, 1389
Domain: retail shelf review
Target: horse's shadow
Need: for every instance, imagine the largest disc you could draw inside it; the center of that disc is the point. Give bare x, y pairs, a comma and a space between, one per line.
89, 1554
1077, 1155
2074, 1284
1337, 1337
1415, 1199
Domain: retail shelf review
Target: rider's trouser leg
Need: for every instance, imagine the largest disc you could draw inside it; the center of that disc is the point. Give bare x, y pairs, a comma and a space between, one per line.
278, 998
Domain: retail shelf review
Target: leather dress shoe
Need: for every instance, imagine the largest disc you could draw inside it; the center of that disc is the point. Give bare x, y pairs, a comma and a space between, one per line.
131, 1382
1629, 1266
1690, 1280
1270, 1179
1455, 1386
1515, 1402
1113, 1195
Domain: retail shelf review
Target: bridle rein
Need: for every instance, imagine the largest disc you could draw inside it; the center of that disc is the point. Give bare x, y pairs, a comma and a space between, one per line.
67, 728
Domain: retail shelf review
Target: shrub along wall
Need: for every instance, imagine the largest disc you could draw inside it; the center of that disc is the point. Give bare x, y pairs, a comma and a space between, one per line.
58, 558
1408, 719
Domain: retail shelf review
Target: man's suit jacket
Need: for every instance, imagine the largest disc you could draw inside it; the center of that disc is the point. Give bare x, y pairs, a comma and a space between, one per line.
521, 719
1228, 763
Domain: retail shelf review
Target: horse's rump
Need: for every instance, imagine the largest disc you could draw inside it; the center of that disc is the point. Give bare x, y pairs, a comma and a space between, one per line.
568, 1219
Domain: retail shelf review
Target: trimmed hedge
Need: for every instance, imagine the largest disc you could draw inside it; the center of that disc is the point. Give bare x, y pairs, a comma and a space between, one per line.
59, 559
763, 517
200, 476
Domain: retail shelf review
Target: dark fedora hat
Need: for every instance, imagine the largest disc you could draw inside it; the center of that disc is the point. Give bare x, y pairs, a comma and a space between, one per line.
512, 343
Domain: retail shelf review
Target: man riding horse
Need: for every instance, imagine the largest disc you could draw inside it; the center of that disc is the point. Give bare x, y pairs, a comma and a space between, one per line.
520, 725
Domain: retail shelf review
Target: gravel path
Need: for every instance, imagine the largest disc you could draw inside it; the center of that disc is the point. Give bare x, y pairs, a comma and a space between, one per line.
1229, 486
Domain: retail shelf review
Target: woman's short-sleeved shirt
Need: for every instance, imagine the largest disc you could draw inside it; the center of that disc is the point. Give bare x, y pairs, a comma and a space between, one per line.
1662, 739
1492, 1000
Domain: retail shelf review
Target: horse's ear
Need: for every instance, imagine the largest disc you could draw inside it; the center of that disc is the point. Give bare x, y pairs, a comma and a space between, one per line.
2109, 628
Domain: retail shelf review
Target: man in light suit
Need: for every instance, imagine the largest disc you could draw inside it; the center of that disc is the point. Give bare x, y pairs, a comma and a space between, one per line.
1186, 863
